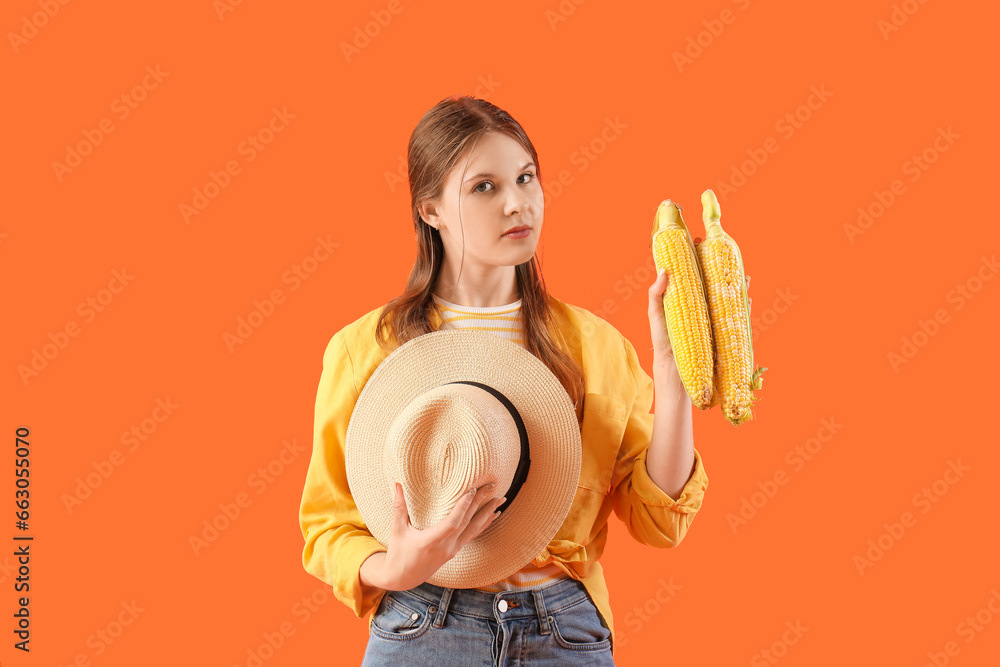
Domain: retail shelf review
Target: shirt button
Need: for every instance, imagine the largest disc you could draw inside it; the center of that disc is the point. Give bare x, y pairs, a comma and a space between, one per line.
503, 606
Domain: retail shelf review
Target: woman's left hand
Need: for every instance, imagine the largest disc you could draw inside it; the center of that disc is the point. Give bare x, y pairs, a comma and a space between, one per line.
663, 353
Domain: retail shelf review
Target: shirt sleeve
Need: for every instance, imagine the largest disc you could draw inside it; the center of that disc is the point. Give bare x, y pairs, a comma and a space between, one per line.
337, 540
652, 517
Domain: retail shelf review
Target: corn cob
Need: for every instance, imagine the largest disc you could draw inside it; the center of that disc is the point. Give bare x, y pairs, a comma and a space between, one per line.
684, 305
726, 287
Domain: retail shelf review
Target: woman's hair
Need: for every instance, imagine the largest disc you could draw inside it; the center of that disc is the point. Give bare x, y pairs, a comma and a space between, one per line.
435, 146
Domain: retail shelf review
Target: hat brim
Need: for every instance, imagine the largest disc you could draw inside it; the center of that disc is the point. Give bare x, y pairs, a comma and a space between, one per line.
529, 523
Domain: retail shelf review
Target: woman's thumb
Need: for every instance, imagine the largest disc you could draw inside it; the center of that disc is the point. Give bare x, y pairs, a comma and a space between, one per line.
400, 517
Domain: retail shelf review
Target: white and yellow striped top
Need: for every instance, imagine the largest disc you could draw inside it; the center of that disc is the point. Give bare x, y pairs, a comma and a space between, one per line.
503, 321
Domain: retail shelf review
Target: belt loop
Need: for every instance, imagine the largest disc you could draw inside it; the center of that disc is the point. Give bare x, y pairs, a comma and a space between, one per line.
543, 616
443, 607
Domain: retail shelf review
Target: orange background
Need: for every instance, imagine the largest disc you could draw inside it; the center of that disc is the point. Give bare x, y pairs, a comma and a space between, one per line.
828, 309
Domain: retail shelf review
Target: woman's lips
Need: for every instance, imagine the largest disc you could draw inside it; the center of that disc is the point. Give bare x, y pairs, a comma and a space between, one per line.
518, 235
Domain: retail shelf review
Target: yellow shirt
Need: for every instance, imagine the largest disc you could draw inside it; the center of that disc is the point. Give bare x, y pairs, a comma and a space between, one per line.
615, 433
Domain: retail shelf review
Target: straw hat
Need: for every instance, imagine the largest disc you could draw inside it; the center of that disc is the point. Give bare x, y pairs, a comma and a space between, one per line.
459, 408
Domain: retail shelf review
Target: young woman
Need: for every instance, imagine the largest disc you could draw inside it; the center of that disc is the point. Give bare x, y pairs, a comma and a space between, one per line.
478, 210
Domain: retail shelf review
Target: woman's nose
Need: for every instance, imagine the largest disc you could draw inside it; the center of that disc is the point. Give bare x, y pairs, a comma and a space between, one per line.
519, 206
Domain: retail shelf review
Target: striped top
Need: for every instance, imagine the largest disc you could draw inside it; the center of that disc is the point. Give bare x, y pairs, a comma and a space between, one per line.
504, 321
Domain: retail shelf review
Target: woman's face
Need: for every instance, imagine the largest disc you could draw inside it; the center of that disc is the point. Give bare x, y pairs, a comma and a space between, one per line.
499, 191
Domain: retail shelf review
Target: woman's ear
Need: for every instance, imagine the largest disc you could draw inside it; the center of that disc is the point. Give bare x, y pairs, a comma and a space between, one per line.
428, 213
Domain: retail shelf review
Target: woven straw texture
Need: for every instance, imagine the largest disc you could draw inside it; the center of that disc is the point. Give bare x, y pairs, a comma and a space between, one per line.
405, 427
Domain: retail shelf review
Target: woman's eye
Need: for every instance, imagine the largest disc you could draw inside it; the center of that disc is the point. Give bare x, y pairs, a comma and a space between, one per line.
477, 188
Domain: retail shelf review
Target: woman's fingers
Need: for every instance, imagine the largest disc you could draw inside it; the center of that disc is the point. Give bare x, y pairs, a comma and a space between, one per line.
463, 511
482, 495
487, 512
483, 518
420, 553
400, 516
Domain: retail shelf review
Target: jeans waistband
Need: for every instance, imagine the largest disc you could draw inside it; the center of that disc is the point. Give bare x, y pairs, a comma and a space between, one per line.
505, 605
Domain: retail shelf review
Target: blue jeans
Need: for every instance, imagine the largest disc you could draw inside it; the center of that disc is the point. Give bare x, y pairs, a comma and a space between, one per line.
428, 625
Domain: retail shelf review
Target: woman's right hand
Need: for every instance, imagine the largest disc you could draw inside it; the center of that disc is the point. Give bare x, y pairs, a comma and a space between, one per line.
414, 555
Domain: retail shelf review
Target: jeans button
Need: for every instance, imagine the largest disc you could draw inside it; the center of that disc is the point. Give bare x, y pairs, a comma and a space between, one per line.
502, 605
